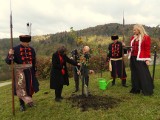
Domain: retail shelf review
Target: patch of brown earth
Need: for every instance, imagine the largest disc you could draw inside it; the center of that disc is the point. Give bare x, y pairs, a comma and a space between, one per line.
94, 102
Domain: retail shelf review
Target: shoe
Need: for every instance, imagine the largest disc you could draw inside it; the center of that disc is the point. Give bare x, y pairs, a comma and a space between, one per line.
22, 108
31, 104
113, 84
147, 94
124, 85
89, 94
75, 91
135, 91
61, 97
58, 99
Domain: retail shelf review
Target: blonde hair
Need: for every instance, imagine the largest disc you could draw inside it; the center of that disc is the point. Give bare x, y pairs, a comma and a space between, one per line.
141, 29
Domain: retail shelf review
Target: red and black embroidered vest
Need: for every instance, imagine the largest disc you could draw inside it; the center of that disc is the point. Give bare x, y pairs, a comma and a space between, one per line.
26, 55
115, 50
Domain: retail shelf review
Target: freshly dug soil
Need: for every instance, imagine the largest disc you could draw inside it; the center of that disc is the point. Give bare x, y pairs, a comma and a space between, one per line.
94, 102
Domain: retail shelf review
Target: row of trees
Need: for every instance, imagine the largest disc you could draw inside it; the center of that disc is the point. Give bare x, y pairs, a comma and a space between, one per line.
96, 37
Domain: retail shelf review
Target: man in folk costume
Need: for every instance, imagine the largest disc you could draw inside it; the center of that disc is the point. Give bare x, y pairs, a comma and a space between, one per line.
115, 58
139, 61
24, 58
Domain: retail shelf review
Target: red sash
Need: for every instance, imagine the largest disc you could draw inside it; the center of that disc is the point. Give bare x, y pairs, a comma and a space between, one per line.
61, 62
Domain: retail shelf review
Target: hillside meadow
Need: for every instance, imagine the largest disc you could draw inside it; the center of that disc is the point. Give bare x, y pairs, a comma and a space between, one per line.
114, 103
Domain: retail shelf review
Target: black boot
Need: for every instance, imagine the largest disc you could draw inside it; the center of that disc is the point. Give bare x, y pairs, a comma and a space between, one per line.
57, 95
22, 108
22, 105
124, 83
75, 91
113, 82
76, 83
60, 94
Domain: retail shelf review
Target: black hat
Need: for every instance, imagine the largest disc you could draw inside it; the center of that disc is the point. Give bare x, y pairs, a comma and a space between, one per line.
114, 37
25, 38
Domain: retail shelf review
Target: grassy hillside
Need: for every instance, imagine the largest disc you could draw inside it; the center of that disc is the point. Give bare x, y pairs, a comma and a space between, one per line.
115, 103
95, 37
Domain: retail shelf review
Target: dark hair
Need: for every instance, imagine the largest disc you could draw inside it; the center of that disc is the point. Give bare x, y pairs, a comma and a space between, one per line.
62, 49
74, 52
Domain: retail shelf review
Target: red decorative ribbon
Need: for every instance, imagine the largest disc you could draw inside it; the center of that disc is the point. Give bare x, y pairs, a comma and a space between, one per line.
61, 62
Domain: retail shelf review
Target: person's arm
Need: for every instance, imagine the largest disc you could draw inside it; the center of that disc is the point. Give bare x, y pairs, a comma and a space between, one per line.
34, 61
70, 61
123, 49
147, 46
10, 56
129, 50
147, 49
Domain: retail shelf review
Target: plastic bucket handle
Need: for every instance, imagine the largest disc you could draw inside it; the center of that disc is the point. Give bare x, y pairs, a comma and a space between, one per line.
108, 82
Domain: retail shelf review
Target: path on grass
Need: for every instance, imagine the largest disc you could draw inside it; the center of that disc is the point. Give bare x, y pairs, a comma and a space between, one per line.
4, 84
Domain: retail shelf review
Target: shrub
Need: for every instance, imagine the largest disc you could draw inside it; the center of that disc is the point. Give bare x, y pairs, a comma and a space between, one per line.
97, 63
43, 67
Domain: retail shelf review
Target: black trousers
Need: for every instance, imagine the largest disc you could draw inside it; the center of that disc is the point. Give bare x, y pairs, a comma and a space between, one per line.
76, 78
58, 91
85, 80
21, 102
118, 69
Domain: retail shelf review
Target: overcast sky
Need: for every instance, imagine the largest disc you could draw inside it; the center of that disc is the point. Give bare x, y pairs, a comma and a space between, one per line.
52, 16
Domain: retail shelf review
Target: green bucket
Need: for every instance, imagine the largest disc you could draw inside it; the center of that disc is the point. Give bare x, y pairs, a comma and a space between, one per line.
103, 84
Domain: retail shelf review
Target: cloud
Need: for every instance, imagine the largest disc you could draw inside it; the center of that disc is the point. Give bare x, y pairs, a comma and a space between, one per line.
51, 16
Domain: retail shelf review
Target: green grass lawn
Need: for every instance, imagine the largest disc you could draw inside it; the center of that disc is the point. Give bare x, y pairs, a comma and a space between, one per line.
115, 103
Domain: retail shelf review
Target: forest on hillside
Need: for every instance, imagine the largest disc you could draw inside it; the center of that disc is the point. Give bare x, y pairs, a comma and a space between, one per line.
97, 38
44, 44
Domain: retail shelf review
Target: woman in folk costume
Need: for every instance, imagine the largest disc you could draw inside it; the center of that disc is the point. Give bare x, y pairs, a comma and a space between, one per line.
24, 58
139, 61
116, 63
59, 72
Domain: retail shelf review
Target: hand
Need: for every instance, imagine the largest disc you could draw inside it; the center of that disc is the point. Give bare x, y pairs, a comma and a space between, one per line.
79, 64
71, 58
79, 72
147, 62
11, 52
123, 44
91, 71
107, 59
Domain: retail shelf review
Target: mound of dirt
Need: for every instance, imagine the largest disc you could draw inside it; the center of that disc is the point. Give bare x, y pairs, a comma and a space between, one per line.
94, 102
